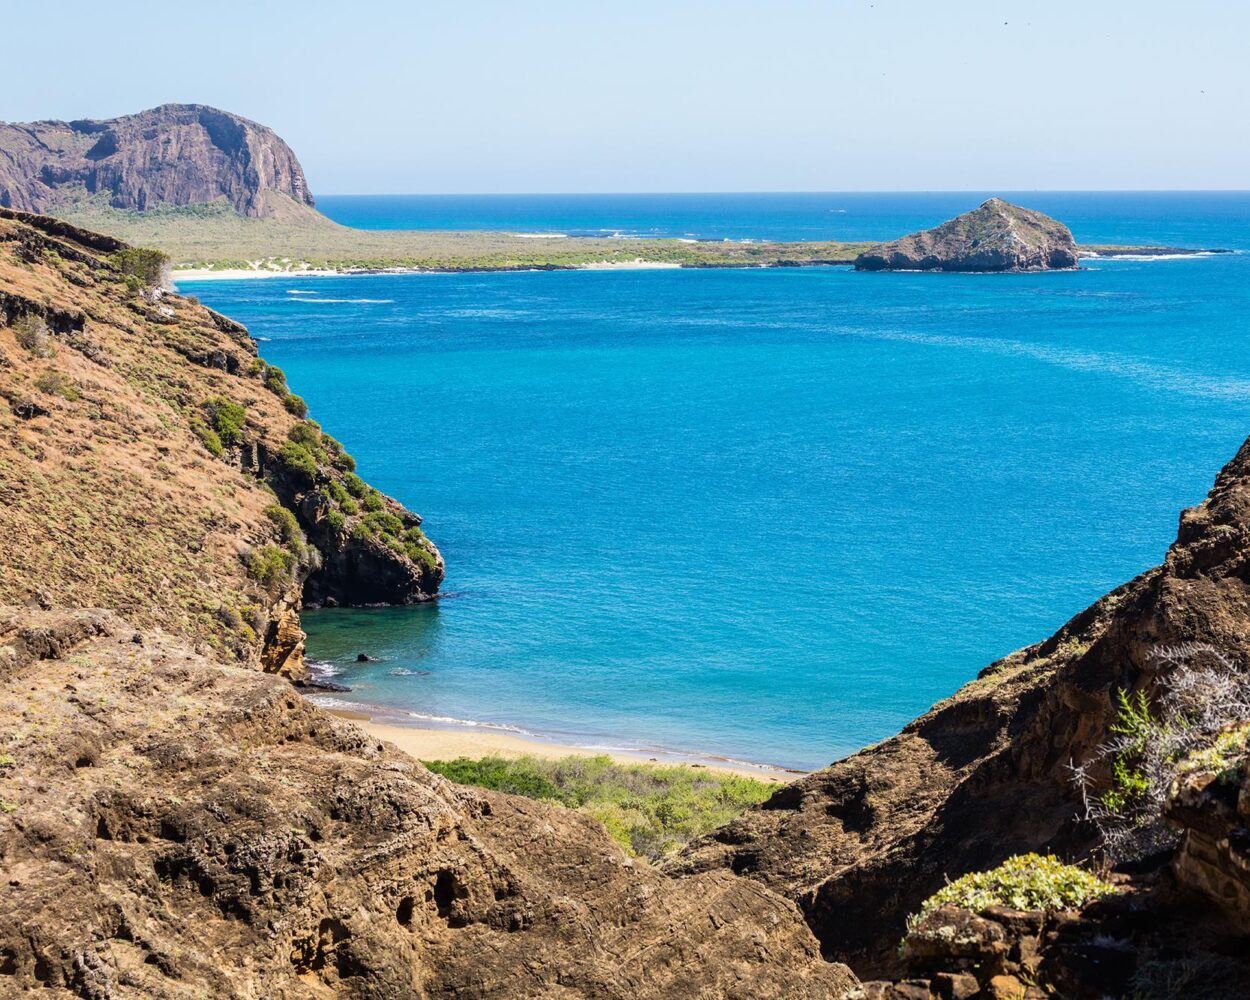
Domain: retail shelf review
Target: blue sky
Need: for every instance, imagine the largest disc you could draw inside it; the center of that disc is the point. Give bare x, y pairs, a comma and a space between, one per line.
701, 95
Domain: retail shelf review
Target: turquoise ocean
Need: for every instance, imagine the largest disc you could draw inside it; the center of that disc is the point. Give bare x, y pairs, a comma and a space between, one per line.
769, 515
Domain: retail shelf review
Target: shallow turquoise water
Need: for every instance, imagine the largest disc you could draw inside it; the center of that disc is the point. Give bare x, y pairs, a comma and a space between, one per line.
766, 514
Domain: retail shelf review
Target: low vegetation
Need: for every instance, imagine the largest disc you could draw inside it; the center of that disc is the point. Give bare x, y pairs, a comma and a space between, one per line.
141, 266
650, 810
1197, 718
1025, 882
32, 334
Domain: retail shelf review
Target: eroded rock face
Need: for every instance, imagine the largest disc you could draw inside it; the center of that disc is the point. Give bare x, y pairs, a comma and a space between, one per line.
985, 774
997, 236
176, 154
172, 827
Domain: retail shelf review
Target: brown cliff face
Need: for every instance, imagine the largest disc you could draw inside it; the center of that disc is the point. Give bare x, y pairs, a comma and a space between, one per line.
997, 236
985, 774
177, 154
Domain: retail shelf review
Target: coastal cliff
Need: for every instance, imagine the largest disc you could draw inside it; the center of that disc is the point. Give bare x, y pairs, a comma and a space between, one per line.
175, 820
997, 236
155, 465
173, 155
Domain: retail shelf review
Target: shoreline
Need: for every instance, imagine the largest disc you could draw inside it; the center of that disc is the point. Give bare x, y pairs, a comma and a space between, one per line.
247, 273
446, 742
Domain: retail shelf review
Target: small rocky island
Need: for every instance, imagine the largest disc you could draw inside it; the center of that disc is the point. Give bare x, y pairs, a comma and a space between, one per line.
997, 236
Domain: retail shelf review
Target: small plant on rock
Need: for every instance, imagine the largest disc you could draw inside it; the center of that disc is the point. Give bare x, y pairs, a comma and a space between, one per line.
1025, 882
1203, 699
32, 334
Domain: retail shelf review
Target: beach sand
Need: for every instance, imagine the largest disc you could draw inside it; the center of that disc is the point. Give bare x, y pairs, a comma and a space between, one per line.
448, 743
240, 273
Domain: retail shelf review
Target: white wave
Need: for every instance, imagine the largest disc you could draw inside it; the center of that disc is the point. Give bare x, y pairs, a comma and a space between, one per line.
405, 672
320, 668
1142, 257
541, 236
379, 302
299, 291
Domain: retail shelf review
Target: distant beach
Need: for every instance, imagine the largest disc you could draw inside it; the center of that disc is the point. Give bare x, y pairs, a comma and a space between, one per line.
449, 742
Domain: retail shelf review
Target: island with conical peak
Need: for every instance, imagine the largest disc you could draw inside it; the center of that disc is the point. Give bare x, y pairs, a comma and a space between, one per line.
997, 236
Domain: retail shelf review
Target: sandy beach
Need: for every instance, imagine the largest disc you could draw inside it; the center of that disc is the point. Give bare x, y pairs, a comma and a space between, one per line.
448, 743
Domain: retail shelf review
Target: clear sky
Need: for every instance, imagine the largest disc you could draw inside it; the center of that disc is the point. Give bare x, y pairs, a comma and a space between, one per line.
682, 95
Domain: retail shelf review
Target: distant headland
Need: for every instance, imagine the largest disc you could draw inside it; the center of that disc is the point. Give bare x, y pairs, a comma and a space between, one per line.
226, 197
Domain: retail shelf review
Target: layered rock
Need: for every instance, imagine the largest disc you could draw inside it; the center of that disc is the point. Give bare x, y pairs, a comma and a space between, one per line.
174, 827
997, 236
176, 154
986, 774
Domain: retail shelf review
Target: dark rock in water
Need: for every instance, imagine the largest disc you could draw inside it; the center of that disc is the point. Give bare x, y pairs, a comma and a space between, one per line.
365, 658
309, 684
998, 236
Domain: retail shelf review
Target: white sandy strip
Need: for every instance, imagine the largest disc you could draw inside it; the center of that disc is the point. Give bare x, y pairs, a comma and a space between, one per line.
242, 273
449, 743
237, 273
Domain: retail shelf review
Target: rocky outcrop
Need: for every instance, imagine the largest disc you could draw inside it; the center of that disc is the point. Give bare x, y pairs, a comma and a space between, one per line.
997, 236
118, 490
986, 774
177, 154
174, 827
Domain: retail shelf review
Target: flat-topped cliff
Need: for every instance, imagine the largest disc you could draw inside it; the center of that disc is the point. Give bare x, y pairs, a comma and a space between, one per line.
173, 155
997, 236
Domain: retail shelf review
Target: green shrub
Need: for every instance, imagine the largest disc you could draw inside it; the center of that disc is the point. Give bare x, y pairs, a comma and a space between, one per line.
208, 437
356, 486
307, 433
295, 404
372, 501
288, 527
143, 268
649, 810
227, 418
383, 522
360, 532
270, 565
32, 333
275, 380
56, 384
298, 461
338, 493
335, 520
1025, 882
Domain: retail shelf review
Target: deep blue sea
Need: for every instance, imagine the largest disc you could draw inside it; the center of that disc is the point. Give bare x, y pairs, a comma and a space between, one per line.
765, 514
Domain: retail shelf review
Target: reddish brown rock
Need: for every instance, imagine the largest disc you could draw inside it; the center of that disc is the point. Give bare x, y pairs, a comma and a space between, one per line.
177, 154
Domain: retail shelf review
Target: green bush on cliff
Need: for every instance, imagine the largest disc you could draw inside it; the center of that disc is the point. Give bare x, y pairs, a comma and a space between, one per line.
356, 486
372, 501
270, 565
298, 462
141, 267
288, 527
295, 404
32, 333
275, 380
227, 419
1024, 882
335, 520
649, 810
208, 437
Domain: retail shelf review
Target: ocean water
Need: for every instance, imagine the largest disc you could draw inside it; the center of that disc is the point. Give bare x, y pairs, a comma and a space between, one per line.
767, 514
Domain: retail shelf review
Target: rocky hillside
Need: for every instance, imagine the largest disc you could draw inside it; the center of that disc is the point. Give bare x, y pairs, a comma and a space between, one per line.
177, 154
153, 464
177, 823
987, 774
997, 236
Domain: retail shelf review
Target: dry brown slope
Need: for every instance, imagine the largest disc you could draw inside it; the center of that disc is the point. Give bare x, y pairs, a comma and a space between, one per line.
985, 774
